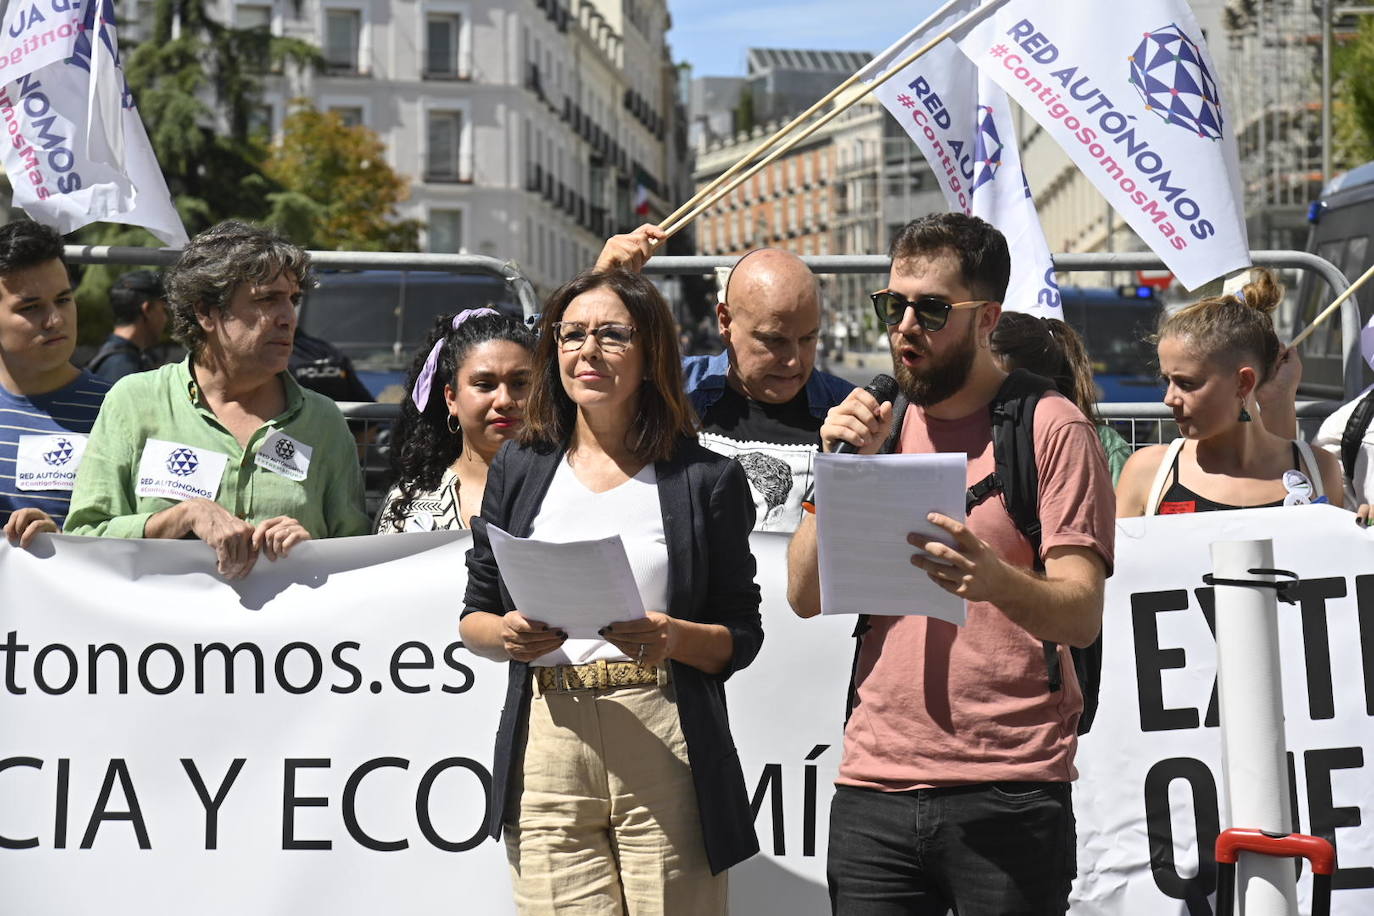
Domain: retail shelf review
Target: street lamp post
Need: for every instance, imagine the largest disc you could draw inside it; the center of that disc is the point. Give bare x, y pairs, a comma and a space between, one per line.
1326, 92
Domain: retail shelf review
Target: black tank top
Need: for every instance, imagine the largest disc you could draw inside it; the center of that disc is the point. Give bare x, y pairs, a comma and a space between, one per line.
1179, 500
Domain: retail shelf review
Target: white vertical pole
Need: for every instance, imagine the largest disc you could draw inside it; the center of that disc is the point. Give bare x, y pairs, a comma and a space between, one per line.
1252, 733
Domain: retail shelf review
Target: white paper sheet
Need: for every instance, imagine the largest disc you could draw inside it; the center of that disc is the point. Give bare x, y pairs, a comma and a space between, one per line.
866, 505
576, 586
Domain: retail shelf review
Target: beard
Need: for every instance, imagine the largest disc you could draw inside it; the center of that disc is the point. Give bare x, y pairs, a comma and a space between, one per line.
941, 378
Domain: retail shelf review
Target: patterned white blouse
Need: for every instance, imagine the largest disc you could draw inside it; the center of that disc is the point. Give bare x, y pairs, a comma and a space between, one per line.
436, 510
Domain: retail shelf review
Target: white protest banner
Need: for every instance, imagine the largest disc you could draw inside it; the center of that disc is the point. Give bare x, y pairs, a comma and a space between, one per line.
1130, 92
961, 120
311, 739
382, 755
1150, 794
77, 150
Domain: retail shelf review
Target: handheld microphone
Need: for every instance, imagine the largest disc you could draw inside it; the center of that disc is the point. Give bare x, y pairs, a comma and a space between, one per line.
883, 388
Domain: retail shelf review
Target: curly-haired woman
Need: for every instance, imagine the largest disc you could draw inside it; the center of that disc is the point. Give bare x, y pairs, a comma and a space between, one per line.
468, 386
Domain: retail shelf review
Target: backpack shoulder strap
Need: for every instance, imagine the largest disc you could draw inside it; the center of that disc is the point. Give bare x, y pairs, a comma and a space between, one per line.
1312, 469
1013, 448
1161, 475
1353, 436
101, 357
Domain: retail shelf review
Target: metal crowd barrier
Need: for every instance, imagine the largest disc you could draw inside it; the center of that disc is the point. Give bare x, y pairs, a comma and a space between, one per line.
1151, 423
344, 260
1352, 363
1140, 424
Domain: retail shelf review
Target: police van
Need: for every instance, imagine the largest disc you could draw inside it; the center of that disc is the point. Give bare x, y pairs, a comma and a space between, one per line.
1117, 325
1342, 221
379, 318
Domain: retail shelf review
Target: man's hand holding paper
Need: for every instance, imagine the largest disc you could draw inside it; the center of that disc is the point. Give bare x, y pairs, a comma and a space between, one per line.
970, 569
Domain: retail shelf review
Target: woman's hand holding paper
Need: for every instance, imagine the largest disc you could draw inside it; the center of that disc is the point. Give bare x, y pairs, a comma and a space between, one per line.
648, 640
525, 640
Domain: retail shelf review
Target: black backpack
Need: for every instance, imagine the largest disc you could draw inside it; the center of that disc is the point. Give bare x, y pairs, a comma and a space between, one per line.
1353, 436
1015, 475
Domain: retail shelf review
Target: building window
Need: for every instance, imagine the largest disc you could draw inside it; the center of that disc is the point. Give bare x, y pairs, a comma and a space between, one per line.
441, 46
145, 11
342, 35
260, 118
350, 115
441, 157
253, 16
446, 231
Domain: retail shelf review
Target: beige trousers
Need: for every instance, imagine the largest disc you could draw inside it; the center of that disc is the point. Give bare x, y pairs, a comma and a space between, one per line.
603, 815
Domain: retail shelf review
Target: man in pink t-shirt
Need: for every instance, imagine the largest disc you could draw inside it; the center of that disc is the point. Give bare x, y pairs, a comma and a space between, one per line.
954, 787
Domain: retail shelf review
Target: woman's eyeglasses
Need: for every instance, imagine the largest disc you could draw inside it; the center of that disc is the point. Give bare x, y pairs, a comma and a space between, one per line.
611, 338
932, 312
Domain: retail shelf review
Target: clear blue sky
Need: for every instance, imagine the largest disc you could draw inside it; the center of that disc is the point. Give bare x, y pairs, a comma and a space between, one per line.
713, 35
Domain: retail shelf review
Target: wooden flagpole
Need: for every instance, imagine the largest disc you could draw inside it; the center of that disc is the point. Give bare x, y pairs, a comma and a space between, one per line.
792, 125
1333, 307
671, 228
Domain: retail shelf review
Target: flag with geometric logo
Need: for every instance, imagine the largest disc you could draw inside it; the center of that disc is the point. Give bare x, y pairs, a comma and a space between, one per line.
77, 150
1129, 90
962, 123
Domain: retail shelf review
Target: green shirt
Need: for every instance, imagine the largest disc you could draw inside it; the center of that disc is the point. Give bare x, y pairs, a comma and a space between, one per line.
1117, 449
166, 404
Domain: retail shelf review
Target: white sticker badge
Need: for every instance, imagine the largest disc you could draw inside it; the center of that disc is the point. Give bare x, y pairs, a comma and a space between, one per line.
171, 470
48, 462
281, 454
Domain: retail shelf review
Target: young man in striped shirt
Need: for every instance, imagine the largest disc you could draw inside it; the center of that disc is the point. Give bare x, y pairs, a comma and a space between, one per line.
47, 405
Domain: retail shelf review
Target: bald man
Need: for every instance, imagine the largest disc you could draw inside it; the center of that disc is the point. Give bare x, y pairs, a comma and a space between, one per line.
762, 400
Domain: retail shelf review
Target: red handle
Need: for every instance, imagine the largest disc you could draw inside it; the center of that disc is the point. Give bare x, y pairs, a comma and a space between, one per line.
1314, 849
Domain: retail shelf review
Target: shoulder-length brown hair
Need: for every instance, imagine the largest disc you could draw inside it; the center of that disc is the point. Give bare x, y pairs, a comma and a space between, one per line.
664, 413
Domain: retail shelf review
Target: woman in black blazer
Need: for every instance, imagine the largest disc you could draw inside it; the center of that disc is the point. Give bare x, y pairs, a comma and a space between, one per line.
615, 779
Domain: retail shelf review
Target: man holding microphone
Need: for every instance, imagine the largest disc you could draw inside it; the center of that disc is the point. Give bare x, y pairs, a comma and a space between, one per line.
953, 790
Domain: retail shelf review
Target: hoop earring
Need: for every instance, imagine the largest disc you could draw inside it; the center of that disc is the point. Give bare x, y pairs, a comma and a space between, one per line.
453, 426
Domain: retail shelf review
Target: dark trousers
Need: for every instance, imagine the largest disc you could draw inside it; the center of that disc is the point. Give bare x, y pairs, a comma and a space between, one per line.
993, 849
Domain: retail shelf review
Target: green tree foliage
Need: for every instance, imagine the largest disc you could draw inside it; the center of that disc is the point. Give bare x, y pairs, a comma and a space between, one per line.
335, 178
1352, 93
199, 87
744, 111
197, 91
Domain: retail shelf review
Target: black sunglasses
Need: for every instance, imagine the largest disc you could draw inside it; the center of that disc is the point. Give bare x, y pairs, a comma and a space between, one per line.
932, 313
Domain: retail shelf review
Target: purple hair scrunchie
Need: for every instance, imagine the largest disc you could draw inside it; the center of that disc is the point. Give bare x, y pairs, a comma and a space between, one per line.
419, 395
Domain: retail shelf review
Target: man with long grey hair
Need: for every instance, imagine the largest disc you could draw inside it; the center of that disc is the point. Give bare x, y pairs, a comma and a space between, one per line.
224, 446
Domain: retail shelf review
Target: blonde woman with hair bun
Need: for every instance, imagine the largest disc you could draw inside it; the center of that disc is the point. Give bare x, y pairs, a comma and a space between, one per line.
1220, 361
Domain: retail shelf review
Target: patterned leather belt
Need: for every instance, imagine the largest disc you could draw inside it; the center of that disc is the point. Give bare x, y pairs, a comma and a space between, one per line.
598, 675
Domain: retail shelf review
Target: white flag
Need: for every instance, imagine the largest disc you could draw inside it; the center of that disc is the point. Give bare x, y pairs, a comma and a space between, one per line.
1129, 91
962, 123
77, 150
